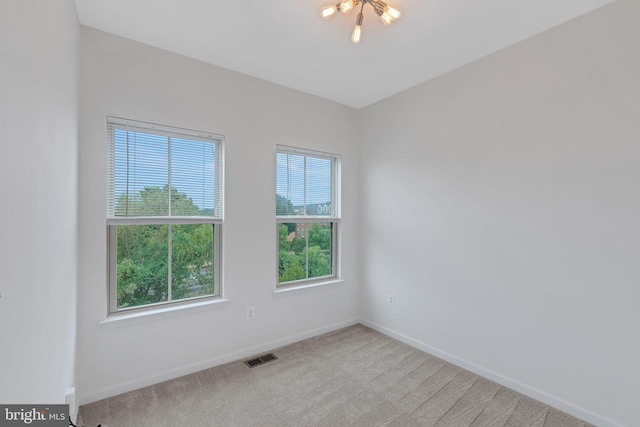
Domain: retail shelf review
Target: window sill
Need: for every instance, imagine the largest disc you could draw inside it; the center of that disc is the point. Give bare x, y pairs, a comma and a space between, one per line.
135, 317
311, 287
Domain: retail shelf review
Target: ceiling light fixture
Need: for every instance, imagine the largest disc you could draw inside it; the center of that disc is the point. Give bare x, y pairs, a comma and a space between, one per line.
387, 13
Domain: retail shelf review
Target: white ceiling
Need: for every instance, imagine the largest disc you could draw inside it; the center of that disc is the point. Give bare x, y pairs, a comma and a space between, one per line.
286, 41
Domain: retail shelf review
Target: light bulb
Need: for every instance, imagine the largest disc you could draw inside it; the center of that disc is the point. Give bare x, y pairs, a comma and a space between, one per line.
328, 11
347, 5
393, 12
386, 19
357, 33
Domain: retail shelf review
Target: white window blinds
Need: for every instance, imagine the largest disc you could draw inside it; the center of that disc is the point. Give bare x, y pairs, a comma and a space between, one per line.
161, 172
306, 184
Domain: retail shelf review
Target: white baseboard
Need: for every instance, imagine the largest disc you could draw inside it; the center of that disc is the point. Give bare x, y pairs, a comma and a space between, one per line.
532, 392
70, 399
107, 392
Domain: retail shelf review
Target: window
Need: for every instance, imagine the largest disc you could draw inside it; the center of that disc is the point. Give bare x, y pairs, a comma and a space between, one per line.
164, 214
307, 215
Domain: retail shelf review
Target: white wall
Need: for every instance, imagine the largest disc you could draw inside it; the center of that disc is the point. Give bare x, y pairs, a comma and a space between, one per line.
38, 170
502, 210
126, 79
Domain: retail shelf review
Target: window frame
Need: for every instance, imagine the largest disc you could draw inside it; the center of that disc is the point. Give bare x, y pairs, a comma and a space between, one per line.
309, 220
112, 221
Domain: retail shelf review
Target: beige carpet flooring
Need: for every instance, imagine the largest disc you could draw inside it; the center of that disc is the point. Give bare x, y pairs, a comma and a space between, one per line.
351, 377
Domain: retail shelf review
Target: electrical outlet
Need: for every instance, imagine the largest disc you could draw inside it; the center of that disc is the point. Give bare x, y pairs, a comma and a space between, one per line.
251, 313
391, 299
